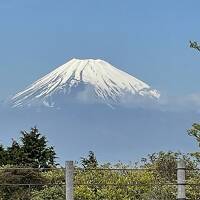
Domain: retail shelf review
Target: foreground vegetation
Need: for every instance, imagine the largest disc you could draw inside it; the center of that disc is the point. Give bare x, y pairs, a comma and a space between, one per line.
154, 179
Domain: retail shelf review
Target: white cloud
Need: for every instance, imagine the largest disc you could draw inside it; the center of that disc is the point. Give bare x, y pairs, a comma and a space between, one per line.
190, 102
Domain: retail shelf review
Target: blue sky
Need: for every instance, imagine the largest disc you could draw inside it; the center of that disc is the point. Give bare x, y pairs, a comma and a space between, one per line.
148, 39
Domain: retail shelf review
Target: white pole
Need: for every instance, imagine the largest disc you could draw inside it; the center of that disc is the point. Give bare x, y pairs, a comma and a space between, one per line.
181, 180
69, 180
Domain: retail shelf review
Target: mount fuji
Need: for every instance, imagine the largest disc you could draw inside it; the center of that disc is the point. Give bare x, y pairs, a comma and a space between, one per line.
55, 104
86, 80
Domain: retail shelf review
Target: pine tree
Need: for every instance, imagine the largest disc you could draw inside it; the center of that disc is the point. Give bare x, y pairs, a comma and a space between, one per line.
14, 154
90, 161
31, 151
3, 156
35, 151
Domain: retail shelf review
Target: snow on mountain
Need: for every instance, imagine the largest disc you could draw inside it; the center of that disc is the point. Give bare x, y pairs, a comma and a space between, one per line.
83, 79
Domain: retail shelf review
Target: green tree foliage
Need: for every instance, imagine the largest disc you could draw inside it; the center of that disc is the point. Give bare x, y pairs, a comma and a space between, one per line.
31, 151
10, 177
33, 155
107, 183
165, 164
194, 45
56, 177
49, 193
14, 154
195, 132
3, 156
154, 177
90, 161
103, 182
35, 151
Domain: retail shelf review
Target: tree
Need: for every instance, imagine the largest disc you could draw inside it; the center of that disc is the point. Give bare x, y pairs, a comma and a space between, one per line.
14, 154
3, 156
31, 151
195, 132
11, 177
90, 161
194, 45
165, 164
35, 152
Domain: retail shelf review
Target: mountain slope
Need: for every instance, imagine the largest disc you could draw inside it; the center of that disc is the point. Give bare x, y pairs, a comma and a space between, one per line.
89, 79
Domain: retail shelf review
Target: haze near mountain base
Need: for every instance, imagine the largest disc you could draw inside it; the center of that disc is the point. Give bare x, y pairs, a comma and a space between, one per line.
88, 81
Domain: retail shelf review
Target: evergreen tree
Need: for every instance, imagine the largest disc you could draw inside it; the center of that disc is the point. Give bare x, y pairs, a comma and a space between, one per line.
90, 161
35, 152
3, 156
31, 151
14, 154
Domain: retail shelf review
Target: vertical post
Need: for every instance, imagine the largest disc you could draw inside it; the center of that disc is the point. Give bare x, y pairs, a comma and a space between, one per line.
69, 180
181, 180
29, 189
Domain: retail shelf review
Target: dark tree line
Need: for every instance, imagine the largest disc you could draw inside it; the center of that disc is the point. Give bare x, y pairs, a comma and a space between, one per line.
30, 151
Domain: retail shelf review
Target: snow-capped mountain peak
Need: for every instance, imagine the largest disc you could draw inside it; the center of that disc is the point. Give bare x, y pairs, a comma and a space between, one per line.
84, 79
